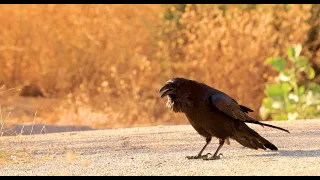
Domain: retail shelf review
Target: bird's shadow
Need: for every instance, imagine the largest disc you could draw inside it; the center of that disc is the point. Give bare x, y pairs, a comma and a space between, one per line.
292, 153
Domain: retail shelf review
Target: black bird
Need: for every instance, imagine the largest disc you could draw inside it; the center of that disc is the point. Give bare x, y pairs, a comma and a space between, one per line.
213, 113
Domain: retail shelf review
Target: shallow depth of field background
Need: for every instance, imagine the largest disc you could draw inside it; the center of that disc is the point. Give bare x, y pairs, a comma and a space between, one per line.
102, 65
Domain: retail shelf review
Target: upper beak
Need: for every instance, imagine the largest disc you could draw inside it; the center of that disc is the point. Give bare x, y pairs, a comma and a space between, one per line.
169, 90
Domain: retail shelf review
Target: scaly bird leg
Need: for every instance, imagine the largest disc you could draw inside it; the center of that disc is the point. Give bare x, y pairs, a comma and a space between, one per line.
199, 156
216, 156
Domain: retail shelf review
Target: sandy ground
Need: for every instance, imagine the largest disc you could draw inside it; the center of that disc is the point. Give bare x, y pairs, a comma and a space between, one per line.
160, 150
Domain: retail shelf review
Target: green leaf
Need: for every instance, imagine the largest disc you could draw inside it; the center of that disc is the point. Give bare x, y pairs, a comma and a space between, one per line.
291, 107
314, 87
274, 90
291, 52
278, 63
301, 62
286, 87
310, 73
301, 90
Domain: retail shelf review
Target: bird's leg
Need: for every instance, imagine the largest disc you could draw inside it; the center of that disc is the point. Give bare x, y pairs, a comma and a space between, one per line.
216, 156
199, 156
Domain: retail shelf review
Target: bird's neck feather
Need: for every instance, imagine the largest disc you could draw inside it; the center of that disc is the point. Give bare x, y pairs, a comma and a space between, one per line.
179, 104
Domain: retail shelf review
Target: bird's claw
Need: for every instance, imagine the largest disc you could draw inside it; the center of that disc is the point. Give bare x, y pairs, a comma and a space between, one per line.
213, 157
199, 156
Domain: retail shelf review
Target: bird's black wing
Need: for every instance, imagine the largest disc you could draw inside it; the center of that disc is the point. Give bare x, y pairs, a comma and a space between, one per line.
231, 108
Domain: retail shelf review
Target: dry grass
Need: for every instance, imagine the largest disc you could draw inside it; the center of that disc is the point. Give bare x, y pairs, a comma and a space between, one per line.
105, 63
20, 154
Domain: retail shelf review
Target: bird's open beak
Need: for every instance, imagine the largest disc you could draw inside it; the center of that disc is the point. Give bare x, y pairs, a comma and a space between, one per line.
169, 90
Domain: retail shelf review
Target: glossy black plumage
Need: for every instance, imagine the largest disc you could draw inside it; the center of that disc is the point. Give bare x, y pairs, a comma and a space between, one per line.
213, 113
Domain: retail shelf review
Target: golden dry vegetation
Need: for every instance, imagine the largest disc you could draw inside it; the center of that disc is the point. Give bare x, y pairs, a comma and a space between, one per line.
102, 65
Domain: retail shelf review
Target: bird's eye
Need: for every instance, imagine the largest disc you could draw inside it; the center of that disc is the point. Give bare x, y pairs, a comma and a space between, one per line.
174, 85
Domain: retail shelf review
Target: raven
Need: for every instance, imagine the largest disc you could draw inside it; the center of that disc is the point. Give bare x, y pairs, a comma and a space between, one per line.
213, 113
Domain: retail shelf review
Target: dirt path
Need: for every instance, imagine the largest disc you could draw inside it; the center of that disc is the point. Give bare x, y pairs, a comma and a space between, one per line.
160, 150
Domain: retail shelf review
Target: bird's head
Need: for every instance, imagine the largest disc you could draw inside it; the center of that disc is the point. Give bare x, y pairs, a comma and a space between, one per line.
179, 94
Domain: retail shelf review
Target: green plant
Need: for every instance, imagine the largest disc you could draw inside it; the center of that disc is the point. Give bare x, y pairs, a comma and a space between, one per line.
293, 95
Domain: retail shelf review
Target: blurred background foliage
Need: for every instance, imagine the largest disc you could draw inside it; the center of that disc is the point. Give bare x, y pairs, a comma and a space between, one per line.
102, 65
293, 95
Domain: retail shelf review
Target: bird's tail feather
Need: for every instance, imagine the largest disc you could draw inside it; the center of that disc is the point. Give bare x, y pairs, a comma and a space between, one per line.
251, 139
268, 125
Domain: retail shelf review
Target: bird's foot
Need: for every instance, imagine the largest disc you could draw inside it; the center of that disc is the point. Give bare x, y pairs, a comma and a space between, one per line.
199, 156
213, 157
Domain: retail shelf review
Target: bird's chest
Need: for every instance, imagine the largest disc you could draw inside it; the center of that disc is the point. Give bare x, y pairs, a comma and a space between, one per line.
207, 122
200, 116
